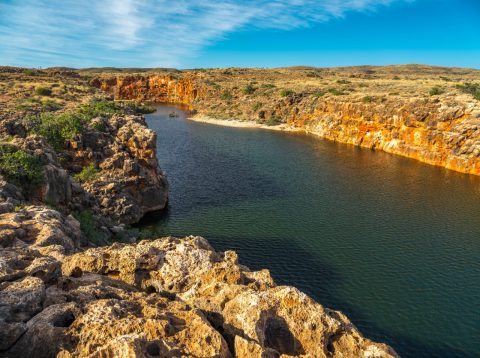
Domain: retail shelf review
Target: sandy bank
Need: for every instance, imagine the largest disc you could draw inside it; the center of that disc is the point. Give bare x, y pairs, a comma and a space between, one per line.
244, 124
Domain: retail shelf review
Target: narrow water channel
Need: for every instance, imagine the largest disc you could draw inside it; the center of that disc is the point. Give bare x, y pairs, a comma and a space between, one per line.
391, 242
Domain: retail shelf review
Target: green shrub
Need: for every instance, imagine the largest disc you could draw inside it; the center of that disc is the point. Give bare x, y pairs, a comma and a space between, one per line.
336, 92
97, 108
88, 226
273, 121
29, 72
43, 91
471, 88
59, 128
248, 89
435, 91
27, 103
88, 173
286, 92
367, 99
343, 82
49, 105
141, 108
319, 94
20, 168
257, 106
268, 85
226, 96
98, 126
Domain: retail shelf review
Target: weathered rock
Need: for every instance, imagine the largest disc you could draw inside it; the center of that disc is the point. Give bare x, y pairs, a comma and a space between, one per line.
169, 297
130, 183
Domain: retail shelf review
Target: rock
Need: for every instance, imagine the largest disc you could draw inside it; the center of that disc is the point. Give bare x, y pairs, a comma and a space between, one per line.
131, 182
167, 297
57, 189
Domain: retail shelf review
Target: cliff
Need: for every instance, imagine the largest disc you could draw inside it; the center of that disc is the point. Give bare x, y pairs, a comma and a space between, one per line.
424, 113
155, 88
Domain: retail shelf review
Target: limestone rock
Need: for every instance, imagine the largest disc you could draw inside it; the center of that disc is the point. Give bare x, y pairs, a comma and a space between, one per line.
168, 297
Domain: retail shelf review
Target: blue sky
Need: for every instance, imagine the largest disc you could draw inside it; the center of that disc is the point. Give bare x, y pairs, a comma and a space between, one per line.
247, 33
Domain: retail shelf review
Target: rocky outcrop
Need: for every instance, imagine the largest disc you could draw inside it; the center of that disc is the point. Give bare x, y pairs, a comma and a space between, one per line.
169, 297
130, 182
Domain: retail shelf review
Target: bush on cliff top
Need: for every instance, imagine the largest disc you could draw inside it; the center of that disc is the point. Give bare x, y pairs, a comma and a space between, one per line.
98, 109
249, 89
435, 91
88, 172
43, 91
471, 88
59, 128
19, 167
286, 92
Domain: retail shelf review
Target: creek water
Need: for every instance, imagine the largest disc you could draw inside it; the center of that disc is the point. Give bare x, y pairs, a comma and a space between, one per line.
391, 242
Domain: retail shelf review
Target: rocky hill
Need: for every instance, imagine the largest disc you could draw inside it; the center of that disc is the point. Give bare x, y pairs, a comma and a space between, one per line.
431, 114
76, 280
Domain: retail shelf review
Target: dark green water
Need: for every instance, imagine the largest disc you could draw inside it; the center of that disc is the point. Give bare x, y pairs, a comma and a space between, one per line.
393, 243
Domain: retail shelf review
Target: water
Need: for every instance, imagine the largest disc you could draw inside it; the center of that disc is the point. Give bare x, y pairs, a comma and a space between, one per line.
391, 242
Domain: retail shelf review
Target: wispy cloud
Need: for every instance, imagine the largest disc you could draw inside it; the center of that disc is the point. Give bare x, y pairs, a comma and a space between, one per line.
145, 32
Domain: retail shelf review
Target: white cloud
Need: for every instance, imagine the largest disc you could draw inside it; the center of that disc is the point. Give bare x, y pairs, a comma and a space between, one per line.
145, 32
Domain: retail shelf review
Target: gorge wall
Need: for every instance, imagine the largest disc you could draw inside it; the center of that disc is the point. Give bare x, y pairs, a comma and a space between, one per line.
441, 130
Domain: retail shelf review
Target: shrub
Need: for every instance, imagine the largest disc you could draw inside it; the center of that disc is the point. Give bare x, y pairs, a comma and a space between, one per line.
43, 91
19, 167
273, 121
286, 92
88, 227
268, 85
57, 129
141, 108
367, 99
257, 106
226, 96
97, 108
29, 72
343, 82
336, 92
319, 94
49, 105
88, 173
249, 89
435, 91
471, 88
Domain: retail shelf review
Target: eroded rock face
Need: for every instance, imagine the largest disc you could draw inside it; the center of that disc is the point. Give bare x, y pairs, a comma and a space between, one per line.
169, 297
155, 88
131, 182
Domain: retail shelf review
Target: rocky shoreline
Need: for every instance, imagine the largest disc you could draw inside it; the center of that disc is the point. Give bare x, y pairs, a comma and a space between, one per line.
77, 281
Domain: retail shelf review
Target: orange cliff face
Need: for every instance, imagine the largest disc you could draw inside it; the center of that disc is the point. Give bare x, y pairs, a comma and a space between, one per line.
442, 131
427, 130
155, 88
